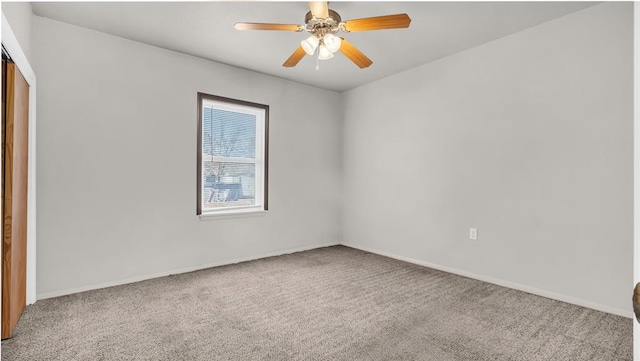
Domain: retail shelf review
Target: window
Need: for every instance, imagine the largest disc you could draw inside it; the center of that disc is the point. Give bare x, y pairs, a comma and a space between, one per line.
232, 155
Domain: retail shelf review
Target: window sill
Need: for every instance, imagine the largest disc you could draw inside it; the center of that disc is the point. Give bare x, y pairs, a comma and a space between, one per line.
232, 213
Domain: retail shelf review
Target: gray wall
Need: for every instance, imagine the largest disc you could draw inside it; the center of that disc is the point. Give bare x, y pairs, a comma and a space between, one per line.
116, 176
19, 16
527, 138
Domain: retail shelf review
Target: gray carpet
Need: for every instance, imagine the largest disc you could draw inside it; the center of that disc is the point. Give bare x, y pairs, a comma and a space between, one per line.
333, 303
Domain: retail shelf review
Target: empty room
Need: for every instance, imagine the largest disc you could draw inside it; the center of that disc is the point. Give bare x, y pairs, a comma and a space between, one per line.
349, 181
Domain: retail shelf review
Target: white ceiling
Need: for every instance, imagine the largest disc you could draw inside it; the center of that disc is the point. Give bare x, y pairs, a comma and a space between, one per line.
205, 29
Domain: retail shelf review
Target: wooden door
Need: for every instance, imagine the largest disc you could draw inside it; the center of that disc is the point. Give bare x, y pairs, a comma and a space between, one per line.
14, 195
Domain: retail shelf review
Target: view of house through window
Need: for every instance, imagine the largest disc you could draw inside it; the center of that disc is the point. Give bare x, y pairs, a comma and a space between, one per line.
232, 165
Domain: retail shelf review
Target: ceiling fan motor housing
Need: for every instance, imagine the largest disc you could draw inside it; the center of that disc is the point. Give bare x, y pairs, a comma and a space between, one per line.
321, 27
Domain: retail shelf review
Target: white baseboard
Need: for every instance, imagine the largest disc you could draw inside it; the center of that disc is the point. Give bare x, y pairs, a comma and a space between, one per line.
499, 282
52, 294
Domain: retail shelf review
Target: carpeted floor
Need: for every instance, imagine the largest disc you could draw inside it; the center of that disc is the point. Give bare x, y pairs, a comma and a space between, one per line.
332, 303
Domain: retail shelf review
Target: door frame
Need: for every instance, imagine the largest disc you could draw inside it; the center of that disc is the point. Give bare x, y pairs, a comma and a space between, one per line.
636, 168
12, 46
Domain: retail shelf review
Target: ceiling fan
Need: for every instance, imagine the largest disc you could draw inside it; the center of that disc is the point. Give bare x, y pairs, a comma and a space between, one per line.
323, 23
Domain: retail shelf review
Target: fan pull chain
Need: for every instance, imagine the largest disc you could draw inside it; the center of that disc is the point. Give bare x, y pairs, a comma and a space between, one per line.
317, 58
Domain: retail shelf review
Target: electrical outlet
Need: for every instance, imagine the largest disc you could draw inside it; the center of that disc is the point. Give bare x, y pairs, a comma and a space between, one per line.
473, 233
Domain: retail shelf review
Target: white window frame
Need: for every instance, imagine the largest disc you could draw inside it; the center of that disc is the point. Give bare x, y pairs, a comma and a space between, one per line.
261, 113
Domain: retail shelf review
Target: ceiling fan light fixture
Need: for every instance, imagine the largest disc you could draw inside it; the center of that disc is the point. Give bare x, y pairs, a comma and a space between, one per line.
332, 42
310, 44
324, 53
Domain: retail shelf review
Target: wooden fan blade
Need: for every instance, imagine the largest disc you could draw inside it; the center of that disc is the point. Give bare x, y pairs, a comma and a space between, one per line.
265, 26
319, 9
295, 58
354, 54
378, 23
